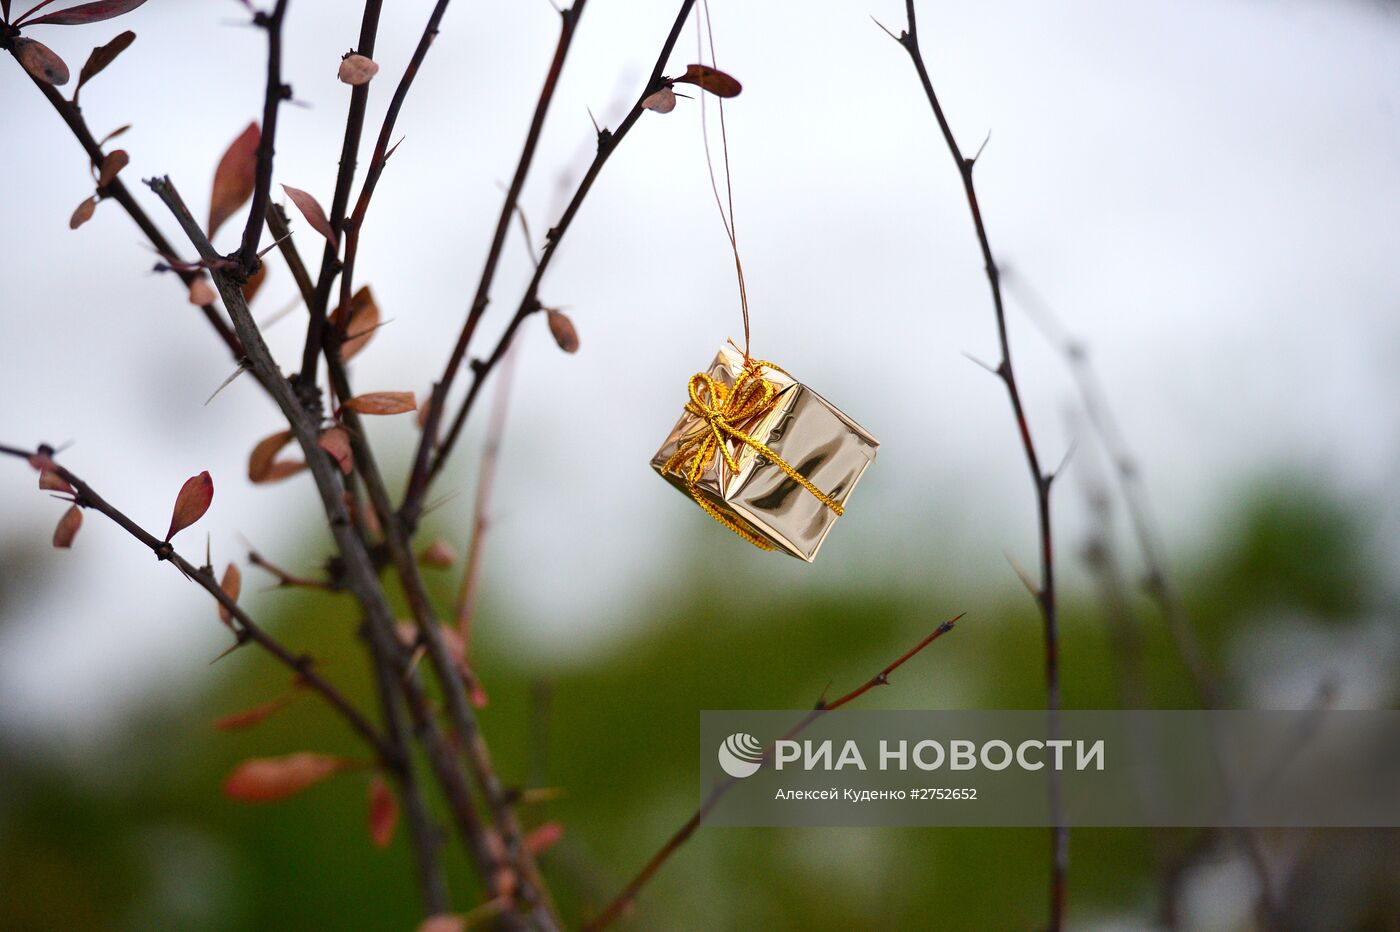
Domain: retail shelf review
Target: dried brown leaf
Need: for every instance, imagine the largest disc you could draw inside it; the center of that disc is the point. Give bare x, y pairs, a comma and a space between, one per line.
382, 403
563, 331
383, 812
267, 779
357, 69
712, 80
663, 101
50, 481
314, 213
67, 527
263, 465
234, 178
192, 502
85, 13
232, 584
40, 61
101, 57
439, 554
83, 213
360, 326
336, 442
112, 163
202, 293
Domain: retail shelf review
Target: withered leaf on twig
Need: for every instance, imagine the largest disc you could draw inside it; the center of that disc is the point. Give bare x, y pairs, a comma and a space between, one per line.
383, 812
40, 61
382, 403
50, 481
336, 442
112, 163
439, 554
234, 178
263, 465
314, 213
191, 504
101, 57
232, 585
563, 330
361, 324
67, 527
357, 69
267, 779
712, 80
85, 13
201, 292
663, 101
83, 213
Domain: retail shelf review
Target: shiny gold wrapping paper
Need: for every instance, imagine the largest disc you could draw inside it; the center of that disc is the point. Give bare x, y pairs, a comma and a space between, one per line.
807, 432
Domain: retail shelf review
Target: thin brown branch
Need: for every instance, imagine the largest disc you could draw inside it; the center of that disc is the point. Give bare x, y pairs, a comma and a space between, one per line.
277, 92
568, 24
624, 900
1041, 480
247, 629
340, 201
428, 464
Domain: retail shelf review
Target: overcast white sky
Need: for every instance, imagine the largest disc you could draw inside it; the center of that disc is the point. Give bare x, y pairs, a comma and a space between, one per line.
1207, 191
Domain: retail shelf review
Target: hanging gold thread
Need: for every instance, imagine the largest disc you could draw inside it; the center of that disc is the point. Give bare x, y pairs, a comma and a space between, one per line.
723, 409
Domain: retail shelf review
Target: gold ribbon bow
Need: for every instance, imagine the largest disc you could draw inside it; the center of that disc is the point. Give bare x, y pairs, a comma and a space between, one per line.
724, 409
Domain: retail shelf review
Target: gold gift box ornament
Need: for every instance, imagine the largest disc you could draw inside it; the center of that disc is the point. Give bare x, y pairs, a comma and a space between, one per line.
764, 455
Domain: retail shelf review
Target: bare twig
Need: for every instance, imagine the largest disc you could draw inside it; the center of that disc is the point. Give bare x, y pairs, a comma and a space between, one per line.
624, 900
427, 464
277, 92
1042, 480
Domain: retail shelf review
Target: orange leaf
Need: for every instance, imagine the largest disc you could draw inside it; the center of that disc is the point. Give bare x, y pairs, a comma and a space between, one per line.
438, 554
357, 69
250, 717
192, 502
235, 177
543, 838
336, 442
83, 214
40, 61
563, 331
112, 163
360, 325
314, 213
50, 481
254, 282
67, 528
711, 79
232, 584
383, 812
263, 465
202, 293
268, 779
382, 403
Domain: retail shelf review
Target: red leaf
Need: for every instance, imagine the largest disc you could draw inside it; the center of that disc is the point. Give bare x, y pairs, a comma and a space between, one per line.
438, 554
191, 504
383, 812
254, 282
357, 69
382, 403
40, 61
232, 584
268, 779
83, 213
235, 177
87, 13
314, 213
263, 465
336, 442
563, 331
711, 79
101, 57
112, 163
362, 322
543, 838
67, 528
50, 481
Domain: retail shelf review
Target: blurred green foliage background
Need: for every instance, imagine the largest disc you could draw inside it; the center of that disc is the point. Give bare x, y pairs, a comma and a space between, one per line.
141, 837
